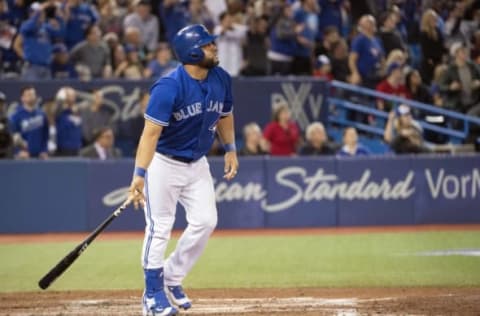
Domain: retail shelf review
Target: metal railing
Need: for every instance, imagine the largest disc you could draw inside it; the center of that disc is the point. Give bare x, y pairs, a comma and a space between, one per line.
345, 99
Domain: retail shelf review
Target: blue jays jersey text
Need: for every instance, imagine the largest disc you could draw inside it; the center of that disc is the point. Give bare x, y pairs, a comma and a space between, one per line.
189, 110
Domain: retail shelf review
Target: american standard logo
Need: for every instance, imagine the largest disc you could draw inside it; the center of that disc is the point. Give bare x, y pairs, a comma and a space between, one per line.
297, 186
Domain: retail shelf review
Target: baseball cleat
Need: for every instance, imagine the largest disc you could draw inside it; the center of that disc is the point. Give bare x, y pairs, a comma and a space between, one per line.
157, 305
178, 297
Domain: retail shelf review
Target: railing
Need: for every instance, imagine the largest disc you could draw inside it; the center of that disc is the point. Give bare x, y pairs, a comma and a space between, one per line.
346, 98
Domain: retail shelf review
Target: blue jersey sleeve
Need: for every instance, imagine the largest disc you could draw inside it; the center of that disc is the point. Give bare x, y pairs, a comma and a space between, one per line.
228, 102
162, 98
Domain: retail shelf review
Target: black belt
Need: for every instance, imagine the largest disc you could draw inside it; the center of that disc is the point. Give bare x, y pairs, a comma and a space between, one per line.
181, 159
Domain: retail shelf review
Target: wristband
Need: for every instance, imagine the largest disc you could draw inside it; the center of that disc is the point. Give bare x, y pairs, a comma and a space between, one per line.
140, 172
229, 147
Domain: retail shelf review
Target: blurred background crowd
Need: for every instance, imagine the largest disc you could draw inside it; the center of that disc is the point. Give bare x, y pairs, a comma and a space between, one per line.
427, 51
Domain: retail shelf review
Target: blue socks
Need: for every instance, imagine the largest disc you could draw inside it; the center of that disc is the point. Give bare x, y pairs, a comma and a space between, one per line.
153, 280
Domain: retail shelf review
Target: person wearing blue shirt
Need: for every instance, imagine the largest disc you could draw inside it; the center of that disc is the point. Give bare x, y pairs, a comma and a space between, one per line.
283, 42
162, 64
366, 56
69, 126
330, 14
61, 66
174, 15
187, 108
38, 33
79, 16
351, 147
29, 126
306, 17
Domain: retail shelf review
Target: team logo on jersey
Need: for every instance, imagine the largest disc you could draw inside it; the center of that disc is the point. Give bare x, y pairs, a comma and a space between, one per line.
196, 109
189, 111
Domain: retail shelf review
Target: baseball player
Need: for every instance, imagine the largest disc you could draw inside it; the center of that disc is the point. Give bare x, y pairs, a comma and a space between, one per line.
186, 108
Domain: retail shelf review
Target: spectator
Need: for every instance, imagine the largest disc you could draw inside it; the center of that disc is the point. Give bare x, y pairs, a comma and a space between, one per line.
95, 116
80, 17
339, 60
330, 37
199, 14
254, 143
389, 35
6, 140
133, 37
92, 55
103, 147
229, 42
323, 68
174, 16
331, 15
38, 34
283, 35
68, 125
392, 84
351, 147
130, 130
29, 126
366, 56
431, 43
475, 50
110, 20
456, 26
416, 89
306, 18
461, 82
396, 56
317, 141
162, 64
255, 48
131, 68
9, 61
61, 66
403, 133
282, 134
113, 42
146, 22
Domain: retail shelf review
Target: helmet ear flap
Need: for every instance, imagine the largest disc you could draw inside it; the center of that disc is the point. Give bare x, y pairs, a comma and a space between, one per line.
196, 54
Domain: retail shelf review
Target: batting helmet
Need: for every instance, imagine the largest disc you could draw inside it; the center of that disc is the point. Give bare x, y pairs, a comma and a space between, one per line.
188, 42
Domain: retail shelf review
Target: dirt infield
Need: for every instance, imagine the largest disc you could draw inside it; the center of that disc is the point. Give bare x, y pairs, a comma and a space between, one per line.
247, 302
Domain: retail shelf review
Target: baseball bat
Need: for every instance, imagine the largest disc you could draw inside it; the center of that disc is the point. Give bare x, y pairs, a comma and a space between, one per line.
67, 261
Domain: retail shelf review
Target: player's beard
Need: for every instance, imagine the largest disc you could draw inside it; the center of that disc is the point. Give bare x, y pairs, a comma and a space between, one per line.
208, 62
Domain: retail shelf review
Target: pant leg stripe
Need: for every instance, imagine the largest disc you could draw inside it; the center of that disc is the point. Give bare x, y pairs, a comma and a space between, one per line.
150, 220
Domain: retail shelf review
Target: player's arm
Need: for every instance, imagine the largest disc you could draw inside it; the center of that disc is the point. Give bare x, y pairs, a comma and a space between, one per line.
145, 151
157, 114
226, 132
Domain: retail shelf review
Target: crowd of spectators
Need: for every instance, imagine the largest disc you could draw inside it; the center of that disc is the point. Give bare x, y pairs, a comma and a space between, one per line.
428, 51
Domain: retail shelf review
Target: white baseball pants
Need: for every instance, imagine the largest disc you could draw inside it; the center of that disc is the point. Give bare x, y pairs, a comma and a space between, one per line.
167, 182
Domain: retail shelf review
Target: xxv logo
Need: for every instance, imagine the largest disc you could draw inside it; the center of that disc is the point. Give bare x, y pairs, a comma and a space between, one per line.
304, 103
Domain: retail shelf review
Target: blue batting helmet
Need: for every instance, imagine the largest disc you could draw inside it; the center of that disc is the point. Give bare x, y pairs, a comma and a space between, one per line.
188, 41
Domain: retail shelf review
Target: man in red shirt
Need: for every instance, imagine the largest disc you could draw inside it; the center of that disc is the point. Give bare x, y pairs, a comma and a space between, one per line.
392, 84
282, 134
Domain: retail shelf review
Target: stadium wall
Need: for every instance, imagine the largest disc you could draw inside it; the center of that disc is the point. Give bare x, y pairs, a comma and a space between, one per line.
253, 98
75, 195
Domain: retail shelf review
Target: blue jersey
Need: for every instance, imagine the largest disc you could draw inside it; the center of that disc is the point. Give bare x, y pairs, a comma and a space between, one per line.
33, 126
370, 54
69, 131
38, 38
81, 17
189, 110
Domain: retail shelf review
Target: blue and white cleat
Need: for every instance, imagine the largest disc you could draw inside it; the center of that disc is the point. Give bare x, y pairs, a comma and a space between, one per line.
178, 297
157, 305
